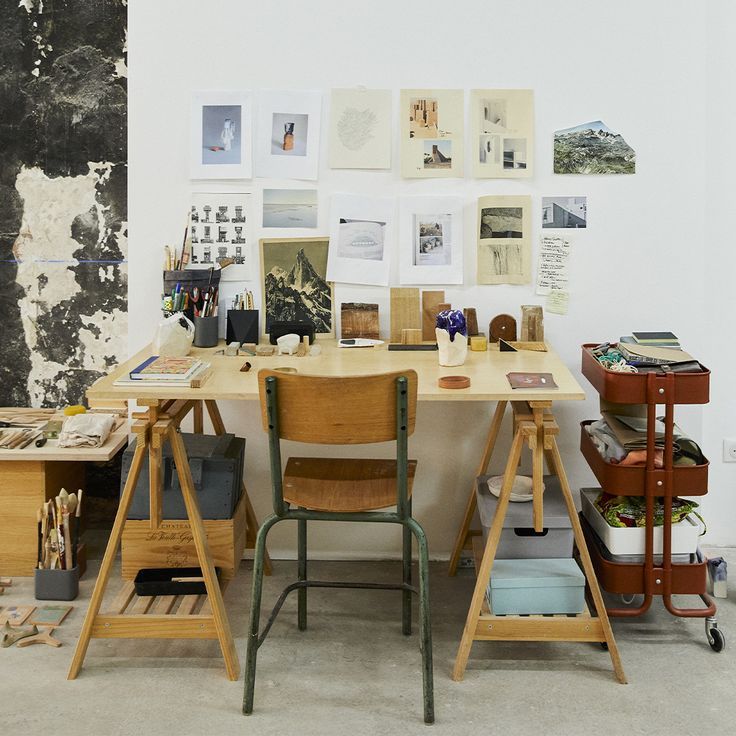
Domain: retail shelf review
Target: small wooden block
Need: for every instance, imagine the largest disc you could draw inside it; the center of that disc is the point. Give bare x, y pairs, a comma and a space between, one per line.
359, 320
411, 337
303, 348
265, 351
6, 582
502, 326
404, 312
430, 303
471, 320
478, 343
537, 347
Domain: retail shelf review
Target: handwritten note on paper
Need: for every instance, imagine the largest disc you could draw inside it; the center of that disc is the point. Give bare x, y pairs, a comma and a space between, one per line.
554, 252
557, 302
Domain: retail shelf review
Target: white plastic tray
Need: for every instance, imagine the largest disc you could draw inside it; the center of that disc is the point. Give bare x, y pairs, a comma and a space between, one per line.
631, 540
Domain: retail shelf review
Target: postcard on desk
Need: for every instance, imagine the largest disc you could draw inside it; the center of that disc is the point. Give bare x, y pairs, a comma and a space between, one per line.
531, 380
49, 615
15, 615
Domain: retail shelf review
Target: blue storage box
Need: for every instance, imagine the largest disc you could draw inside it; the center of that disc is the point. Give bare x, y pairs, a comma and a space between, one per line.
536, 587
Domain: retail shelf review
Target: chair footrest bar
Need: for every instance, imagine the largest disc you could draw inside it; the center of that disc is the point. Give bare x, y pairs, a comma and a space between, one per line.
299, 584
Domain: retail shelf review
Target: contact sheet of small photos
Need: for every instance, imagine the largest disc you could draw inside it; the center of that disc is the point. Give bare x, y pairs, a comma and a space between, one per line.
219, 224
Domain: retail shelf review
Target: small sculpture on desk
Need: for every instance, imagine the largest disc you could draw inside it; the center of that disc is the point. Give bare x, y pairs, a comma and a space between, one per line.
452, 349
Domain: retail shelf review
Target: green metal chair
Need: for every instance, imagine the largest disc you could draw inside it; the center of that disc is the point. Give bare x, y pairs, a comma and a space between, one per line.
340, 411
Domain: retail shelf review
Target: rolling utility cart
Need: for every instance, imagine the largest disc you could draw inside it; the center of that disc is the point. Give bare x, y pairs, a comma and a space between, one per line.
656, 575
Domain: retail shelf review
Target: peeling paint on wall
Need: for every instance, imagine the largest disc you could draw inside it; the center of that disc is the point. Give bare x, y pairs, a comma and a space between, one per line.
63, 174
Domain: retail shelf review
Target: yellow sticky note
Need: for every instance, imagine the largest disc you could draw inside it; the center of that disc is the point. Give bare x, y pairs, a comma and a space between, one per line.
557, 301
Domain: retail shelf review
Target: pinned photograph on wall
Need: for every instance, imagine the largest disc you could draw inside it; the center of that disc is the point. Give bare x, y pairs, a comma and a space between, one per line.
360, 129
295, 286
502, 129
289, 208
504, 249
360, 231
287, 134
564, 212
431, 238
432, 127
219, 233
221, 139
437, 154
592, 148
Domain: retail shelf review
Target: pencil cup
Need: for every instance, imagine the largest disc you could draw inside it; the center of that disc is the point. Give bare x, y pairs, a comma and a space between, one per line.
205, 331
57, 585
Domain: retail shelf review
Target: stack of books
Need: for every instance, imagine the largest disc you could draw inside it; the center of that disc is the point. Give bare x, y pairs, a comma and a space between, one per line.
655, 349
162, 370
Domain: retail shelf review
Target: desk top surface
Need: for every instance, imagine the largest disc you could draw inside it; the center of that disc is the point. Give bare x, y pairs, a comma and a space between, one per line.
486, 370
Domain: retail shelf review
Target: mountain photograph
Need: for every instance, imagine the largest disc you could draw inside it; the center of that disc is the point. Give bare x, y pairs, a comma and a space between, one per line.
294, 285
592, 148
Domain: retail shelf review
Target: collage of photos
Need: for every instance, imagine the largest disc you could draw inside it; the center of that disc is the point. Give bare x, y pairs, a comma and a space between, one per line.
504, 233
432, 240
503, 129
432, 132
218, 231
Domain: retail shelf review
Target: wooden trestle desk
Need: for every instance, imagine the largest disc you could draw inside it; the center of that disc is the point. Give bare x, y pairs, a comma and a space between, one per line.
534, 425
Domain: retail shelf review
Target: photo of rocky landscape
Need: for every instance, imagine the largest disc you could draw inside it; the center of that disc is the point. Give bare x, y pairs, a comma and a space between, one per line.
592, 148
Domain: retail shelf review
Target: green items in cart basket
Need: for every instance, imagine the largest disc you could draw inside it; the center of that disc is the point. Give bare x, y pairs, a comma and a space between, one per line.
630, 511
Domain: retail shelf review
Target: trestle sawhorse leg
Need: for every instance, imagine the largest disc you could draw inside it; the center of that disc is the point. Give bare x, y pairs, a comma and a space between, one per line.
160, 423
534, 426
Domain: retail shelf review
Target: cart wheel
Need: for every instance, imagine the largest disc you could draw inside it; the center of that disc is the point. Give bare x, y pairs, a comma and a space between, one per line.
716, 639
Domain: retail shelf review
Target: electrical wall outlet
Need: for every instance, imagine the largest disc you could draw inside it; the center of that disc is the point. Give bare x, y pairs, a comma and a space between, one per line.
729, 450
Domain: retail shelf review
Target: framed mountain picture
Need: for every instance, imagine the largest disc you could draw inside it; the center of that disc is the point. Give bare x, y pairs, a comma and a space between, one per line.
295, 286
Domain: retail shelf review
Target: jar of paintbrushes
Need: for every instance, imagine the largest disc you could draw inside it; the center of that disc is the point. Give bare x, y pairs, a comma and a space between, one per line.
57, 573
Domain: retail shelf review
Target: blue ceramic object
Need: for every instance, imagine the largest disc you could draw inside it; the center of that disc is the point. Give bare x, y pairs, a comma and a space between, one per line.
452, 320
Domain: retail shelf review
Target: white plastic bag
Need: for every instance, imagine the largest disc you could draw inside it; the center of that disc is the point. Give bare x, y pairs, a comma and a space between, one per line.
174, 336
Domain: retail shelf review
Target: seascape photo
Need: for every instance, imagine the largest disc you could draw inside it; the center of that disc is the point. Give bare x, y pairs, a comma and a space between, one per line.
289, 134
289, 208
501, 222
221, 131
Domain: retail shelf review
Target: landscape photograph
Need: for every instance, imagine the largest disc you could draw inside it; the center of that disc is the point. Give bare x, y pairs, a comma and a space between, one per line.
592, 148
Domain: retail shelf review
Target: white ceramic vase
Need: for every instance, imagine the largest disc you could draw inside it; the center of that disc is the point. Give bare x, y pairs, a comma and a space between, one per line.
451, 352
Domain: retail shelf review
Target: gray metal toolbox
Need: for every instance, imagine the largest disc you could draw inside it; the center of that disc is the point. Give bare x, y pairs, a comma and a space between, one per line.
518, 538
217, 472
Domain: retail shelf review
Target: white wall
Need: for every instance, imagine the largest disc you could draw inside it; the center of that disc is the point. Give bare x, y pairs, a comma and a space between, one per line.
640, 67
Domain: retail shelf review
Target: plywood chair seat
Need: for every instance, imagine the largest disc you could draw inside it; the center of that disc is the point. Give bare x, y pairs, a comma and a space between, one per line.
340, 484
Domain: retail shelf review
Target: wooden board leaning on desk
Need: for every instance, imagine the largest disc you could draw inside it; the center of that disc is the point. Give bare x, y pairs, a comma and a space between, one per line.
487, 372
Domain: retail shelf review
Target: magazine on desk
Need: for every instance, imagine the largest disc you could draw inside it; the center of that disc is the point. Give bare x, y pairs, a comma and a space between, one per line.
531, 380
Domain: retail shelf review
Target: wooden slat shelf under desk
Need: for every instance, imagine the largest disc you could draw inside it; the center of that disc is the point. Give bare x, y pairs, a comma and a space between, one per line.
533, 627
155, 617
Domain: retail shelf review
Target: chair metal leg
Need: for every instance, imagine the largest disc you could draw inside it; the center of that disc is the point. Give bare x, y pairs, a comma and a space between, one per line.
255, 613
302, 574
425, 626
406, 564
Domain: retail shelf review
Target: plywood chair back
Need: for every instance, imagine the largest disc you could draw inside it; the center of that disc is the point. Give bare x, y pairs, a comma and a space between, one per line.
332, 410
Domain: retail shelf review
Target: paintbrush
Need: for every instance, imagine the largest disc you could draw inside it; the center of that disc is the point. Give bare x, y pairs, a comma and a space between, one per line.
77, 524
39, 523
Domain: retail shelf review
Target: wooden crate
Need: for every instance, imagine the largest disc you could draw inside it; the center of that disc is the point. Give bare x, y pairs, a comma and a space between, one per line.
171, 545
24, 487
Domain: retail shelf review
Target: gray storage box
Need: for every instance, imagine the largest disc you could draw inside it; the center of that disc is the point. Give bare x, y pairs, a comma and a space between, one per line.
217, 472
518, 538
536, 587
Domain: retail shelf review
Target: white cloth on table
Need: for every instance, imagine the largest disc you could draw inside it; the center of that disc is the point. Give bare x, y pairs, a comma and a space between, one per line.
86, 430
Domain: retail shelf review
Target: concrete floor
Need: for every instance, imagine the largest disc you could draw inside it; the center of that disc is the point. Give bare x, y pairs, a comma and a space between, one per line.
353, 672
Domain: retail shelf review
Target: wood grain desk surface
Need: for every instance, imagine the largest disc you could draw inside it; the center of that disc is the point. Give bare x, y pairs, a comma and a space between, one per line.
487, 372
